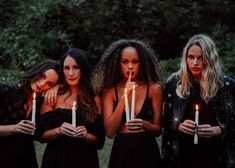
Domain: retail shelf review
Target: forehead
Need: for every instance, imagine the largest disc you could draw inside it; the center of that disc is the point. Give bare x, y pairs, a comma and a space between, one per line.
69, 60
51, 75
195, 50
129, 52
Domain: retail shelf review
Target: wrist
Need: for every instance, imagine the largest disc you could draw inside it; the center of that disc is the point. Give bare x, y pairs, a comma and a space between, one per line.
58, 131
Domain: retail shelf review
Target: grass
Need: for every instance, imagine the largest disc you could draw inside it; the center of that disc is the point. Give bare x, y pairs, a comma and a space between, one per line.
103, 154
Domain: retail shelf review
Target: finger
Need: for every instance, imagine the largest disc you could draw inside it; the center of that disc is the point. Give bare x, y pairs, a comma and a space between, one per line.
54, 99
129, 77
24, 129
134, 127
189, 124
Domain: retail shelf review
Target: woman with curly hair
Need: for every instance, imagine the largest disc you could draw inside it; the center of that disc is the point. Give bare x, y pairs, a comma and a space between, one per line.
128, 68
196, 140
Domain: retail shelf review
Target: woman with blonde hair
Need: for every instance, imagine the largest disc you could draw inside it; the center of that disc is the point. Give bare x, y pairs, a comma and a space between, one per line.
196, 104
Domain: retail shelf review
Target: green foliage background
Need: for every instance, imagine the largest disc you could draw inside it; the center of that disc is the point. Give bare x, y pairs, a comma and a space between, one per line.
35, 30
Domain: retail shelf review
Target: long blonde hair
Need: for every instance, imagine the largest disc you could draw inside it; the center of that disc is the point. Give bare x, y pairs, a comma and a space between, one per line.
211, 75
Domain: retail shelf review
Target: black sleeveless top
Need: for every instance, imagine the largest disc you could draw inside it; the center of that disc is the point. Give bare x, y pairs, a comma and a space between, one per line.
146, 112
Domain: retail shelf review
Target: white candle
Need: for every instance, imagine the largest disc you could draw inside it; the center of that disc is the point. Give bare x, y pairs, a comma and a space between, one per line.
34, 108
133, 102
74, 114
197, 123
126, 105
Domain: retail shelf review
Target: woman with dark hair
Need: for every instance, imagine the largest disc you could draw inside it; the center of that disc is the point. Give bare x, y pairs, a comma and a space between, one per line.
16, 127
128, 68
70, 144
198, 109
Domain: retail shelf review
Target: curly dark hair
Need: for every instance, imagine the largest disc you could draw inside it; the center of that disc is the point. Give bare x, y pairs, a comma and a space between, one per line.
86, 96
108, 72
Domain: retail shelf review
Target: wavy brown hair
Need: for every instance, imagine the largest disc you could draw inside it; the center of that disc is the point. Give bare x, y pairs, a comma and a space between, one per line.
86, 96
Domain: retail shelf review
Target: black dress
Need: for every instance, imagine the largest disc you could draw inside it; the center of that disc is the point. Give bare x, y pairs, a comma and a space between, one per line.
69, 152
136, 150
208, 150
16, 151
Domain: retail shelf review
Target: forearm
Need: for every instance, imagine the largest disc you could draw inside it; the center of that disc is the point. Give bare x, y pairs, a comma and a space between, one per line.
50, 135
6, 130
151, 128
112, 124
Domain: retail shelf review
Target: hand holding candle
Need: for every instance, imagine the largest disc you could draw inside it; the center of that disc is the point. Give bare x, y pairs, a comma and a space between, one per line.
74, 114
34, 108
197, 123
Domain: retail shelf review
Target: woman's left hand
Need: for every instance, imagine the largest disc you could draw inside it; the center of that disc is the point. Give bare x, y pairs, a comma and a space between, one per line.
135, 124
207, 131
81, 132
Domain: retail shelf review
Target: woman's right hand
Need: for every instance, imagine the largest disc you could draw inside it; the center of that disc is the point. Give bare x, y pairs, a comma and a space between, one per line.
187, 127
25, 127
67, 129
50, 96
129, 84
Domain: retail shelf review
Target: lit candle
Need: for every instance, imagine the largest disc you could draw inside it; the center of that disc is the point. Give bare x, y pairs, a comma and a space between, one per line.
133, 102
34, 108
126, 105
74, 114
197, 123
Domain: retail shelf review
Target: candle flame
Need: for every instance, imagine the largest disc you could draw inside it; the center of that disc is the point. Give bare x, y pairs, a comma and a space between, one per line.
74, 104
133, 86
125, 90
34, 95
196, 107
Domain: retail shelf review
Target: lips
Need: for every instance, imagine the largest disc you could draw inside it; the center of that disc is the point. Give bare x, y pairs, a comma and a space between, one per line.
128, 73
195, 69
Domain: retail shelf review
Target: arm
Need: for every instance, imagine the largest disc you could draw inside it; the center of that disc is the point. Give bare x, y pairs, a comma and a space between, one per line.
50, 135
23, 127
156, 95
112, 119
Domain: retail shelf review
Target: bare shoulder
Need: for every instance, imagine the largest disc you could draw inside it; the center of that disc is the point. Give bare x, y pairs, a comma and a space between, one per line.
109, 93
156, 89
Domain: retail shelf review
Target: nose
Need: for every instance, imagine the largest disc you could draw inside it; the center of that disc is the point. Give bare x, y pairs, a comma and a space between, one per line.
195, 61
42, 83
71, 72
130, 66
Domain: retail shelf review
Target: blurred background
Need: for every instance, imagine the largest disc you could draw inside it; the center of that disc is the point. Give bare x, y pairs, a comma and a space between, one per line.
34, 30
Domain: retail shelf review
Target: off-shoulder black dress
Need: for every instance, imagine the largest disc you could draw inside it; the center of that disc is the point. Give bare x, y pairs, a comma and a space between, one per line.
69, 152
16, 151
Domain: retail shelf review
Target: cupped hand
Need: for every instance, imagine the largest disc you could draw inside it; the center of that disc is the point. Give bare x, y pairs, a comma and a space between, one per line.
187, 127
135, 124
25, 127
67, 129
81, 132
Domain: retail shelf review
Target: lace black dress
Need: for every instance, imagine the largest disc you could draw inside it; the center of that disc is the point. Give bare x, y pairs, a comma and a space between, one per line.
16, 151
69, 152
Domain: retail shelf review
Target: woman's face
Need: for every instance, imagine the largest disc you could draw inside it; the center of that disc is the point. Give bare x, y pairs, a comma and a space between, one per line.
130, 63
195, 62
72, 72
45, 82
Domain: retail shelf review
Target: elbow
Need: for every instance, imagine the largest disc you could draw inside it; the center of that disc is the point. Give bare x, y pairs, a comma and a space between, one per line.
110, 134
